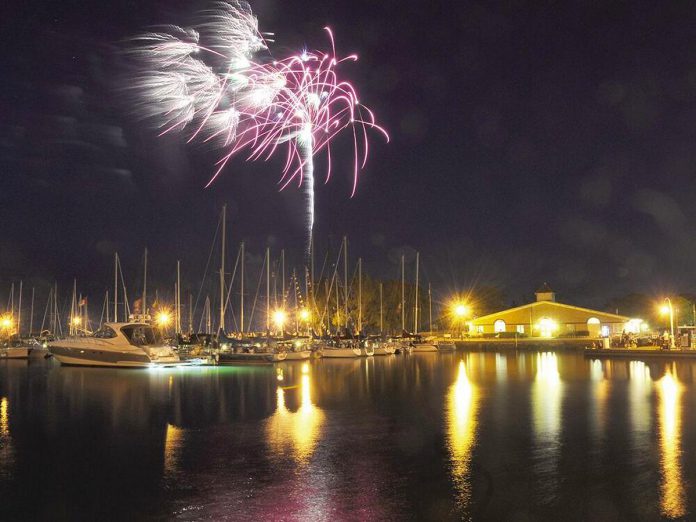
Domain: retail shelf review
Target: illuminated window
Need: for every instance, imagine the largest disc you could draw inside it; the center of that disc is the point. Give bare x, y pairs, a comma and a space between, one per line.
479, 328
499, 326
520, 328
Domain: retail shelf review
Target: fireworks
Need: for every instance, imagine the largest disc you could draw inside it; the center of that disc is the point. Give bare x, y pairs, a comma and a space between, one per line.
211, 82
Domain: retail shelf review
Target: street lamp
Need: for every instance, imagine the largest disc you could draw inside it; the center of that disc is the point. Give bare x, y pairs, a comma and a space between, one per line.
669, 309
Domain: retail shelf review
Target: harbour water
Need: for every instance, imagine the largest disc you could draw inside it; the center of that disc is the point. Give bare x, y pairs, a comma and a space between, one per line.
514, 436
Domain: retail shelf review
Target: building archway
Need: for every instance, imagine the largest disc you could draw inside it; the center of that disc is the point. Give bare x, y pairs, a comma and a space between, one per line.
499, 326
594, 327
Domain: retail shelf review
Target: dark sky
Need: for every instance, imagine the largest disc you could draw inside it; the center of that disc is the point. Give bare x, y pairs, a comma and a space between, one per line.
531, 141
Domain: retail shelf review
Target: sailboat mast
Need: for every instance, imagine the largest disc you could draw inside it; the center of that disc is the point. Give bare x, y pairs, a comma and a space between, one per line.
222, 270
381, 310
415, 308
359, 295
73, 315
115, 287
403, 294
178, 296
144, 309
31, 314
345, 279
430, 307
268, 289
282, 267
241, 295
190, 314
19, 311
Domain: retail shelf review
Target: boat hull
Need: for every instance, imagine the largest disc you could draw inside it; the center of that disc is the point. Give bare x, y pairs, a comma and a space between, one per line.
298, 356
249, 358
15, 352
385, 350
446, 346
424, 348
340, 352
71, 356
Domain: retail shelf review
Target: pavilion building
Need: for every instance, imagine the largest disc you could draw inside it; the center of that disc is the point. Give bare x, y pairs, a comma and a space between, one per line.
548, 318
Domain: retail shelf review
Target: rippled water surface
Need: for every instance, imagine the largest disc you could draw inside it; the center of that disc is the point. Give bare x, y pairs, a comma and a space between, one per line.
427, 436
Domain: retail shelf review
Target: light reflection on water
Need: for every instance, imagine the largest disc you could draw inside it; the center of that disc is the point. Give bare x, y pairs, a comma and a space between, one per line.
299, 431
669, 391
462, 403
6, 449
547, 393
535, 435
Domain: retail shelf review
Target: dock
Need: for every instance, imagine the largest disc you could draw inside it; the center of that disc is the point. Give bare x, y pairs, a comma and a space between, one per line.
652, 352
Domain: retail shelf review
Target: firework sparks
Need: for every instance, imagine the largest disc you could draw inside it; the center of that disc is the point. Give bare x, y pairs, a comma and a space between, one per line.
210, 81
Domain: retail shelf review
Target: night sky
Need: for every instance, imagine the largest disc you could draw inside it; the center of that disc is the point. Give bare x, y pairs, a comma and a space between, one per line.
531, 141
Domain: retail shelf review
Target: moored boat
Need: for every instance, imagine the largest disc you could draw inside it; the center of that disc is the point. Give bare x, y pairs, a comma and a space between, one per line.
445, 346
121, 345
385, 348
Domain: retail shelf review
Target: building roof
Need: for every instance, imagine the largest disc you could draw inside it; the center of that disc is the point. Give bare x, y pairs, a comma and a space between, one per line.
619, 318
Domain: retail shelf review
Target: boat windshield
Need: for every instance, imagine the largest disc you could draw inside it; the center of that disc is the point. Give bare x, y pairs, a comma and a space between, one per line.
105, 332
139, 334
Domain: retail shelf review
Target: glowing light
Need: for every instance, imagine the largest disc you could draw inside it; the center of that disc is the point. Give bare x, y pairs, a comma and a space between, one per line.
633, 326
76, 321
664, 310
279, 318
461, 310
547, 327
462, 406
6, 321
164, 319
298, 102
304, 314
672, 497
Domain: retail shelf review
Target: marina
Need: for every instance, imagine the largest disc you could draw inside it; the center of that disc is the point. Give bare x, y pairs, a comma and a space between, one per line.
444, 436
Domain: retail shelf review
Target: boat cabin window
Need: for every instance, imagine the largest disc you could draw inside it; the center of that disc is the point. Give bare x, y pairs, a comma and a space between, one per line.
105, 332
139, 335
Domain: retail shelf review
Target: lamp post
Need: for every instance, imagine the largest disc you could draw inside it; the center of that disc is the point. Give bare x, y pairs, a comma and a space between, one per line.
669, 309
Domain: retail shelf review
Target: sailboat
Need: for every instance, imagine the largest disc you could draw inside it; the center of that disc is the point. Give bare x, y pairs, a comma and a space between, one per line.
341, 347
251, 350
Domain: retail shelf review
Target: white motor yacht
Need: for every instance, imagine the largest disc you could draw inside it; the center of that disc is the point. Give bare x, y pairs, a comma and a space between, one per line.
123, 345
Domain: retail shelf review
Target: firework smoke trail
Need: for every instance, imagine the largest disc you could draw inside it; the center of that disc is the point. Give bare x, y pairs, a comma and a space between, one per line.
209, 80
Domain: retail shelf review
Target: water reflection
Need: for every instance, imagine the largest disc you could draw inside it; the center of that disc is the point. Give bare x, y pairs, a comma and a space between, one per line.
599, 393
173, 443
640, 390
301, 429
461, 431
547, 393
6, 449
672, 498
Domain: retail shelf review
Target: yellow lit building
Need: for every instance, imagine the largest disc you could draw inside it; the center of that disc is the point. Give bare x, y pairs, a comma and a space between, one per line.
547, 318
